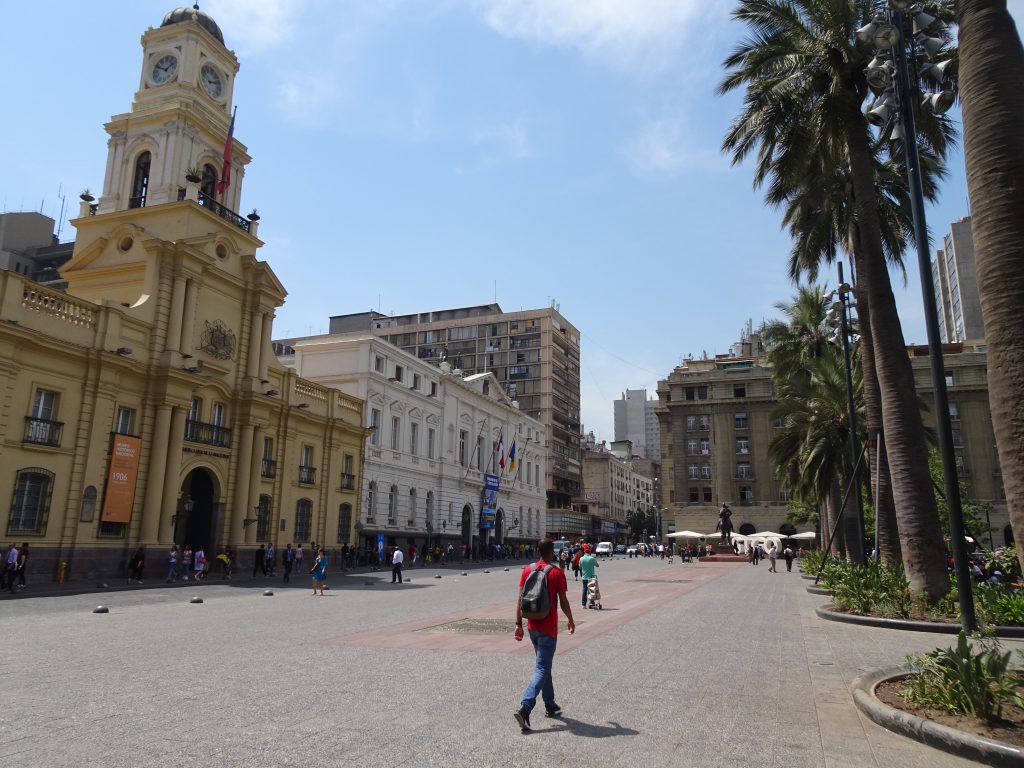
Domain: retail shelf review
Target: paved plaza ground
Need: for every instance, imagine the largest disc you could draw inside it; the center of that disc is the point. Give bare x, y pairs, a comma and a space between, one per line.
706, 664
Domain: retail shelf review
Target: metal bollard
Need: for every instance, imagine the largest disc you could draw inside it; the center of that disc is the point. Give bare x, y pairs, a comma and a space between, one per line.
63, 571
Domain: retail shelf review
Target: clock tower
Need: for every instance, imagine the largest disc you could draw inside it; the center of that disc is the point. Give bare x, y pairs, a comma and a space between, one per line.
179, 119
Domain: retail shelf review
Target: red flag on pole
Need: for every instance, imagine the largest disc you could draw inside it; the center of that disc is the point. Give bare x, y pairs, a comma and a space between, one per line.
225, 171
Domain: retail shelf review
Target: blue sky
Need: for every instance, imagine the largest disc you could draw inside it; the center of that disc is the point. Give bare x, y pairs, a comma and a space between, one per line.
420, 154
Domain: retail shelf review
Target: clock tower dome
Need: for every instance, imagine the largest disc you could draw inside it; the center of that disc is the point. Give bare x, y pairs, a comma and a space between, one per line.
179, 119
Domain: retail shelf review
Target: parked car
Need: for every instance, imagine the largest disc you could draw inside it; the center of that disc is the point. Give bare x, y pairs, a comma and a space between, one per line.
603, 548
633, 550
620, 549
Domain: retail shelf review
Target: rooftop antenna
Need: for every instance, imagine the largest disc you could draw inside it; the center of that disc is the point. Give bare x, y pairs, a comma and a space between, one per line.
63, 209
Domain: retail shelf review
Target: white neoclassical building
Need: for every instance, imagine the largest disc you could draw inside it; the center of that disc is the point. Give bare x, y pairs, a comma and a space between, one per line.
433, 440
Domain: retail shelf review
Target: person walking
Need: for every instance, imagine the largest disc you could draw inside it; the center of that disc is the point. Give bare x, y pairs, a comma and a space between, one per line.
199, 563
772, 557
136, 564
396, 565
588, 566
543, 635
10, 567
270, 561
787, 553
298, 557
259, 561
22, 564
186, 562
319, 570
172, 563
288, 560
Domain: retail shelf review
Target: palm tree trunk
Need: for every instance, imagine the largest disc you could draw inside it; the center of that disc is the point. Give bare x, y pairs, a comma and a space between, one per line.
991, 71
924, 558
885, 509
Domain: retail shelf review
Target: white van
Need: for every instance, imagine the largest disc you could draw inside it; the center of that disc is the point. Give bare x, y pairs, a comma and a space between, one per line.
603, 548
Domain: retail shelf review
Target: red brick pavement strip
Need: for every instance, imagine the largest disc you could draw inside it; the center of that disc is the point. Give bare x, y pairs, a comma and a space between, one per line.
624, 601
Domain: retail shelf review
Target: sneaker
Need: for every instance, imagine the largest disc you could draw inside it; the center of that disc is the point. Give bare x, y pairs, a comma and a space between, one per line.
555, 711
523, 718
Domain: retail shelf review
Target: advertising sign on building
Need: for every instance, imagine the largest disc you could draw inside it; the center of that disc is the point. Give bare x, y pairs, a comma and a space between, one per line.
487, 515
119, 497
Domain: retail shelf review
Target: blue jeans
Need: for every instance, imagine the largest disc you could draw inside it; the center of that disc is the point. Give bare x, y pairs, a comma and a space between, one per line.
541, 684
586, 583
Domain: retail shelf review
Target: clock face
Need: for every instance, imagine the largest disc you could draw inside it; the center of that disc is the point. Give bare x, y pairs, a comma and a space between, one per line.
164, 69
211, 81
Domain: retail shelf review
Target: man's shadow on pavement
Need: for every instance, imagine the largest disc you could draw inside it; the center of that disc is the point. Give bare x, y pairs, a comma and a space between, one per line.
588, 730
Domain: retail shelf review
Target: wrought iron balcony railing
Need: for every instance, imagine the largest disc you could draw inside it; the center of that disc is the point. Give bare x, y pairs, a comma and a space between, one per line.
43, 431
208, 434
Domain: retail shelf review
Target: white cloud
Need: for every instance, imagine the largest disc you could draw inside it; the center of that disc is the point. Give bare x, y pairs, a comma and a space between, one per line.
306, 98
509, 138
665, 148
631, 33
255, 25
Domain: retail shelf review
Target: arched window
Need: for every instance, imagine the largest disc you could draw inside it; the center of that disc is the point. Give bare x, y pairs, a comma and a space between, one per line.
371, 502
344, 523
88, 504
392, 504
140, 182
303, 520
30, 506
412, 506
263, 518
208, 186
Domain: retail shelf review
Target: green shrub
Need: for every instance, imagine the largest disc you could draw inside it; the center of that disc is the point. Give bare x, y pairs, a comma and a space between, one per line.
1006, 562
964, 681
812, 561
997, 604
871, 588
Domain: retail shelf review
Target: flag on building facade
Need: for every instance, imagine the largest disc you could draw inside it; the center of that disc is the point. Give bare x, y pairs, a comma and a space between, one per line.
512, 458
225, 171
500, 450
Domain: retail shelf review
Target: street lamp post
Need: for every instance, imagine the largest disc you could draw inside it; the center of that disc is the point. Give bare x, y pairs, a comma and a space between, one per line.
844, 329
905, 102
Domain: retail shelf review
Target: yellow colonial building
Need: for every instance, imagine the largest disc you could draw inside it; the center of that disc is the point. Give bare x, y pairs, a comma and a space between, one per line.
145, 405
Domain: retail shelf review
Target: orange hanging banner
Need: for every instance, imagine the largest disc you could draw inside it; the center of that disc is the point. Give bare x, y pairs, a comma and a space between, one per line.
119, 497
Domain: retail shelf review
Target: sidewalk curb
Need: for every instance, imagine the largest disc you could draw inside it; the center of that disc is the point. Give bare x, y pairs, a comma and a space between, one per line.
826, 612
987, 751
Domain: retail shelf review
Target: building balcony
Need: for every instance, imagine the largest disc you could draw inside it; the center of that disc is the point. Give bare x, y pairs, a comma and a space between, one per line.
348, 482
211, 204
43, 431
207, 434
268, 468
307, 475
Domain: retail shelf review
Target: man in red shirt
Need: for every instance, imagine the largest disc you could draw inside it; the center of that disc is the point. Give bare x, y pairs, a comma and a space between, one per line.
544, 636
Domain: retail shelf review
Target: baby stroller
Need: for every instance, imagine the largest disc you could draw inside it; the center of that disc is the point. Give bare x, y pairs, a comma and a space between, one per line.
594, 594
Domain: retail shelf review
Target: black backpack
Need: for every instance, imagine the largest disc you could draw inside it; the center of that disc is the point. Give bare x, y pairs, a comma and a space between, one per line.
534, 599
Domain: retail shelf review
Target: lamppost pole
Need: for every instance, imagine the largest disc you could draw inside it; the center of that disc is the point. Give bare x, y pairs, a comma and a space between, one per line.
844, 329
906, 96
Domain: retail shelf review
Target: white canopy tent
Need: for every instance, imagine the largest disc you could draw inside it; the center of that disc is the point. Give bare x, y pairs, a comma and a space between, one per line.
685, 535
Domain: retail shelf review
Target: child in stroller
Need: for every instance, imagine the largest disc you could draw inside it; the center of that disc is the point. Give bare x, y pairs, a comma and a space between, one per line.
594, 594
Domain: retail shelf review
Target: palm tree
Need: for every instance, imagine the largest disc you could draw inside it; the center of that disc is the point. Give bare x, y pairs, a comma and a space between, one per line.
803, 70
812, 449
803, 338
991, 71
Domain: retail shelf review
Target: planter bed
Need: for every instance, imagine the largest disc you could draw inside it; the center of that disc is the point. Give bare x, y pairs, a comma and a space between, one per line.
945, 627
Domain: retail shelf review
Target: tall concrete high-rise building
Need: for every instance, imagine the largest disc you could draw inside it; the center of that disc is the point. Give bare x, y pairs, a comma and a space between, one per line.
534, 354
637, 421
956, 286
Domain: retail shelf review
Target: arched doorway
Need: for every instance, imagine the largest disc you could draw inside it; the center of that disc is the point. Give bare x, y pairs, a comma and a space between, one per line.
196, 512
747, 529
467, 525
